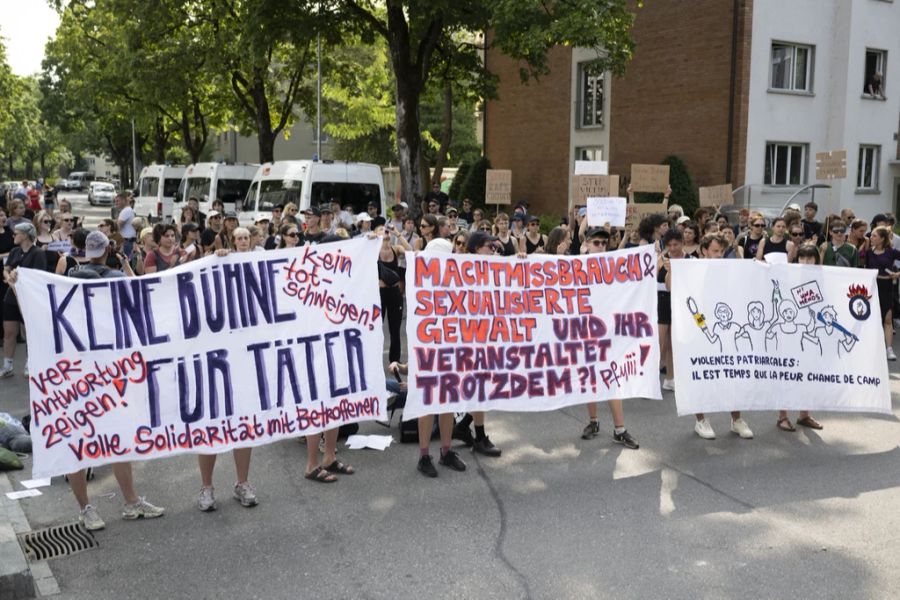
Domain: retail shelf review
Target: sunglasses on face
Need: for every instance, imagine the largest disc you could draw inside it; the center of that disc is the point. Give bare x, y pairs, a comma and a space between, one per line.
797, 234
67, 220
423, 225
460, 242
599, 242
837, 231
758, 224
292, 234
484, 229
46, 222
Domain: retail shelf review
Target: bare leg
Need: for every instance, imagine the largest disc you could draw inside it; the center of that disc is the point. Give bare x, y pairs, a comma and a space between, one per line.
331, 437
78, 485
122, 471
207, 463
618, 413
426, 423
478, 417
242, 463
445, 425
665, 349
592, 411
10, 332
312, 453
888, 330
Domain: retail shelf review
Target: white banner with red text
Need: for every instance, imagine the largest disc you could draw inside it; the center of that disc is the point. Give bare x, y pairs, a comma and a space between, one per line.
530, 334
219, 353
748, 335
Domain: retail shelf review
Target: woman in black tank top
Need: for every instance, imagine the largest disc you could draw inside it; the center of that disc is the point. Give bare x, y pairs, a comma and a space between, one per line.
777, 242
533, 237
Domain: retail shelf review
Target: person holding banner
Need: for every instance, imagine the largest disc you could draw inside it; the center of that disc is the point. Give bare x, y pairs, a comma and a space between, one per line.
167, 253
27, 256
507, 238
753, 240
673, 242
881, 256
243, 491
596, 242
712, 247
838, 252
533, 240
692, 236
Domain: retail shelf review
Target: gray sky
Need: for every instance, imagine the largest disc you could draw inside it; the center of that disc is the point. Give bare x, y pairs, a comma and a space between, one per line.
25, 27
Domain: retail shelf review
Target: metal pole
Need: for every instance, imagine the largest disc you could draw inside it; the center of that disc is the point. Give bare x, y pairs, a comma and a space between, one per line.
134, 162
319, 96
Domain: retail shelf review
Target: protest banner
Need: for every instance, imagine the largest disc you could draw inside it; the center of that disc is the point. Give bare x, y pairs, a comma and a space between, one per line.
591, 167
603, 211
498, 186
716, 195
752, 336
593, 186
634, 212
649, 178
530, 334
219, 353
831, 165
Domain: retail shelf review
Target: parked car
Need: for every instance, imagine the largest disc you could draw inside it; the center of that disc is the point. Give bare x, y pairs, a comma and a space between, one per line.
101, 193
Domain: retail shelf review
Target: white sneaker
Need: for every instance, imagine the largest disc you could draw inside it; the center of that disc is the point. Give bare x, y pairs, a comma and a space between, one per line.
740, 427
206, 500
668, 385
7, 372
246, 494
91, 518
25, 371
890, 354
704, 429
141, 509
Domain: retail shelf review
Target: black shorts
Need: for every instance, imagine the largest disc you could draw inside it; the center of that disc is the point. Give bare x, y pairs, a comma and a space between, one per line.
664, 308
885, 296
11, 312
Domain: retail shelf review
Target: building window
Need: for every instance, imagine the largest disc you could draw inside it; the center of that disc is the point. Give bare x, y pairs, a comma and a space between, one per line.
873, 84
590, 97
867, 168
786, 163
792, 67
589, 153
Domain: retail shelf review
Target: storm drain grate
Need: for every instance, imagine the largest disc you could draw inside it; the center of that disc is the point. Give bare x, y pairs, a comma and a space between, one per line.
56, 541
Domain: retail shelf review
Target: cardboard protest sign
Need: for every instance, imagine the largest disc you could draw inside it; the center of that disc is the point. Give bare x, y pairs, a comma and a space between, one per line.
498, 186
649, 178
590, 186
601, 211
831, 165
538, 333
634, 212
716, 195
219, 353
752, 336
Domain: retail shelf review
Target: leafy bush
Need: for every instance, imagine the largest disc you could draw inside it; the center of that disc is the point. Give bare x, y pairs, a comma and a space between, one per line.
683, 191
462, 171
473, 188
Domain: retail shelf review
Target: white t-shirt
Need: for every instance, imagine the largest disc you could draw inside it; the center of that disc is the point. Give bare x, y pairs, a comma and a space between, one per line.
126, 216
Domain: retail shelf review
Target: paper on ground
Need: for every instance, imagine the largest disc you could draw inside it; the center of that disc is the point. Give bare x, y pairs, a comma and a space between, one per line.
22, 494
376, 442
35, 483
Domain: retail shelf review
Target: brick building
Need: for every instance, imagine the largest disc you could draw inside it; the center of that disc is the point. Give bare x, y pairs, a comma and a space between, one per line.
744, 91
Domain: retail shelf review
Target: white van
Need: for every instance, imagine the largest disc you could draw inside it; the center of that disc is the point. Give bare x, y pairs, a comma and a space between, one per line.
156, 191
214, 181
311, 183
80, 180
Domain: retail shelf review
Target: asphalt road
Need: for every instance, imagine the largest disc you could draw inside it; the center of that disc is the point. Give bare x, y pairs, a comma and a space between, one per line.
786, 515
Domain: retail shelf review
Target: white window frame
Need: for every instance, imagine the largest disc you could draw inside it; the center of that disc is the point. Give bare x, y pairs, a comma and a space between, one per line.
591, 150
869, 155
810, 62
804, 159
881, 67
599, 80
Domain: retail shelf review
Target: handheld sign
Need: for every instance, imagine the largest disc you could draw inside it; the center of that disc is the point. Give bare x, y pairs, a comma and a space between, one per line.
63, 246
831, 165
591, 167
498, 186
649, 178
716, 195
635, 212
601, 211
594, 186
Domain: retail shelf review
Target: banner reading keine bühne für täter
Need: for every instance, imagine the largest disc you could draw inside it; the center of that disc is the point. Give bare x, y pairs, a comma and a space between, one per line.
219, 353
752, 336
530, 334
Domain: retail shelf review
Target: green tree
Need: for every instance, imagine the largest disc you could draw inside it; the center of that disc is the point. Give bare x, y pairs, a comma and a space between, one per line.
523, 29
683, 191
476, 179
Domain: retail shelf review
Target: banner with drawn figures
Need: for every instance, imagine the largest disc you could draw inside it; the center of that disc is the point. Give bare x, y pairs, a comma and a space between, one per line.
752, 336
220, 353
530, 334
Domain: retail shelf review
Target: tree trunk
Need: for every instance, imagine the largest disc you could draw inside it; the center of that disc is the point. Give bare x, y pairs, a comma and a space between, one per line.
160, 141
264, 131
196, 134
43, 161
446, 135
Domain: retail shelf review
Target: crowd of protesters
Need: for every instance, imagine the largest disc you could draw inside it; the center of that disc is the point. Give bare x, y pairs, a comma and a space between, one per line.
48, 235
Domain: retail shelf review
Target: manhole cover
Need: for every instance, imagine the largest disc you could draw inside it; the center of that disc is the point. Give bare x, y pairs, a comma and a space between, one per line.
56, 541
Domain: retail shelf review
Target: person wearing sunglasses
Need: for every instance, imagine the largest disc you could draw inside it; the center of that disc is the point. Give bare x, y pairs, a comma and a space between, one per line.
533, 240
289, 236
65, 226
838, 252
777, 243
755, 236
596, 241
428, 230
459, 242
43, 224
797, 238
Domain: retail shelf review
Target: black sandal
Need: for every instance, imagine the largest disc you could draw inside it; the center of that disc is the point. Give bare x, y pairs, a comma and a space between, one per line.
320, 475
784, 424
339, 467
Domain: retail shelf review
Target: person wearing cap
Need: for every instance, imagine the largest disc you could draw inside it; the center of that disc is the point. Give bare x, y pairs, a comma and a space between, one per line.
363, 223
453, 220
533, 240
225, 238
521, 209
398, 213
209, 235
596, 241
24, 255
326, 221
313, 232
190, 241
517, 225
483, 244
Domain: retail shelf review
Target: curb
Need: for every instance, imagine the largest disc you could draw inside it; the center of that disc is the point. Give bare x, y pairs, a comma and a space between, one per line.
16, 578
